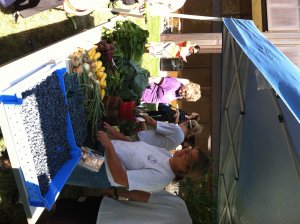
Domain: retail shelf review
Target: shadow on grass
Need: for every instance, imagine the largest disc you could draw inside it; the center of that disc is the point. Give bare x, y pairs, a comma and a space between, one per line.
10, 210
20, 44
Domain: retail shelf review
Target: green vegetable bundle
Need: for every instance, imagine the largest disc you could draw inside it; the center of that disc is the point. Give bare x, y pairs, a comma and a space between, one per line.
93, 105
129, 81
129, 40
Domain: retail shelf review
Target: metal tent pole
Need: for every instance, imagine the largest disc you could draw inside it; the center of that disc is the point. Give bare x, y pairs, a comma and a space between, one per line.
186, 16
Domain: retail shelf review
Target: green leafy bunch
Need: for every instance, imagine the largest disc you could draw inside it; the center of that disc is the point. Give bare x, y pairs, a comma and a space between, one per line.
131, 81
129, 40
93, 105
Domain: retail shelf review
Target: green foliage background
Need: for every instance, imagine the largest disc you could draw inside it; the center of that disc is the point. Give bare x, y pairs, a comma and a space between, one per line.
199, 200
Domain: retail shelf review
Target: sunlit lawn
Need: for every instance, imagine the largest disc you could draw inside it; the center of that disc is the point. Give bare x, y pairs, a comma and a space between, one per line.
153, 25
148, 62
53, 25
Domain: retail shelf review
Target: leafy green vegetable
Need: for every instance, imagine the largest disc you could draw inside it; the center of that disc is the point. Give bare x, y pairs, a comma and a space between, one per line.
129, 40
140, 83
128, 81
134, 80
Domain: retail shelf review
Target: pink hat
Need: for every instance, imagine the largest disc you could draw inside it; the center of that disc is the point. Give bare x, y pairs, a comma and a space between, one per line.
79, 7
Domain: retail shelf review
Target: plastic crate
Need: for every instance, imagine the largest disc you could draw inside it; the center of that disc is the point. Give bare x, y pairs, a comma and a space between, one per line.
11, 103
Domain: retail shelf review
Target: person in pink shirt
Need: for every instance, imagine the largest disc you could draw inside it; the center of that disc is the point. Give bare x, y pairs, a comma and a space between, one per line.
169, 89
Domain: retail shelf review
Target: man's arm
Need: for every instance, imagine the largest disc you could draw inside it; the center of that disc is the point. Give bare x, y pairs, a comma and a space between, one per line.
118, 173
134, 195
149, 120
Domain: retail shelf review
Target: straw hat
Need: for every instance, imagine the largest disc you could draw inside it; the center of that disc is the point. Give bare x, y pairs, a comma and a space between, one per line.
79, 7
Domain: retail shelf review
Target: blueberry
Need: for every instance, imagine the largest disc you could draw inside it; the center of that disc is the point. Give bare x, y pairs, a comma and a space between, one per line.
44, 116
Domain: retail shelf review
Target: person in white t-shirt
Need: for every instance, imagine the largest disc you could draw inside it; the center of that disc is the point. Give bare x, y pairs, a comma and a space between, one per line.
164, 135
139, 166
141, 208
160, 207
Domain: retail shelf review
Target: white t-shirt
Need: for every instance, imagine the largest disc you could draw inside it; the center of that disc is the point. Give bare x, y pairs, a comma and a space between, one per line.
166, 135
147, 166
162, 207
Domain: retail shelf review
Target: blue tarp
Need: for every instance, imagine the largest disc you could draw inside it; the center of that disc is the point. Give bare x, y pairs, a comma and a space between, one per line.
278, 70
259, 168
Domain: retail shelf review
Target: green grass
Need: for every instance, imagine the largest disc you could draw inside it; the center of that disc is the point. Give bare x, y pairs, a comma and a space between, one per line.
53, 25
152, 24
42, 30
148, 62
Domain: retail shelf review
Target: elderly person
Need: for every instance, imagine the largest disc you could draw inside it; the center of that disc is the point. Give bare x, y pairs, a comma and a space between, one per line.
168, 89
139, 166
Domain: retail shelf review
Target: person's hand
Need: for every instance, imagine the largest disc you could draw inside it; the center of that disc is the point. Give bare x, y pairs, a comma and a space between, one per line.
113, 131
108, 193
149, 120
103, 138
146, 117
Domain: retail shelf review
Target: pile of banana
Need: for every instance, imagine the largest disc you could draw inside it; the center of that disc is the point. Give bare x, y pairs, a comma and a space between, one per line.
97, 68
88, 62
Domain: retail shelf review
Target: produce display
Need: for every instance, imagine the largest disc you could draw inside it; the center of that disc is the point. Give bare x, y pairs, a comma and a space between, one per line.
92, 80
111, 67
44, 115
125, 77
88, 62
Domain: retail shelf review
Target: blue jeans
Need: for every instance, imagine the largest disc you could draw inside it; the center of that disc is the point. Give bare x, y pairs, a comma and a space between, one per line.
86, 178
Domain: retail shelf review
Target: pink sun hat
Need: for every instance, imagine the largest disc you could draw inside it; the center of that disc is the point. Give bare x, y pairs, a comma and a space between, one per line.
80, 7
